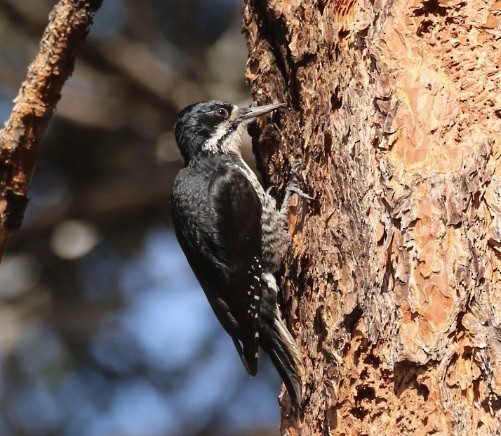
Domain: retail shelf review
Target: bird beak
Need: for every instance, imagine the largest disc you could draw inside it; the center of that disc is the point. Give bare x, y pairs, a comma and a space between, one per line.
249, 113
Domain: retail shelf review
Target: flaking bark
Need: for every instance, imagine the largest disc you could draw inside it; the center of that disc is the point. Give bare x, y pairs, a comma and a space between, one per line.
68, 25
393, 281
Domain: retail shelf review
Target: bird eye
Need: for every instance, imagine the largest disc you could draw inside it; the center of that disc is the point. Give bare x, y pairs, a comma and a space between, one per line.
222, 112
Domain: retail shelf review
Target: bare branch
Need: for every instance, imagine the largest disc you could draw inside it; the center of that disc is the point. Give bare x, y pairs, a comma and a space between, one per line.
68, 25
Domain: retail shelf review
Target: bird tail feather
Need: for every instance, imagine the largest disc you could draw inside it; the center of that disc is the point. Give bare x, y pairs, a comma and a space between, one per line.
285, 355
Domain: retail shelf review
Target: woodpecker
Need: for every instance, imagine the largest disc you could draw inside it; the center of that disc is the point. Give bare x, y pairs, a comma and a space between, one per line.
233, 235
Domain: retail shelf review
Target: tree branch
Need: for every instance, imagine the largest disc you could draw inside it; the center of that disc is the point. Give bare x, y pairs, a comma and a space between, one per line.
68, 25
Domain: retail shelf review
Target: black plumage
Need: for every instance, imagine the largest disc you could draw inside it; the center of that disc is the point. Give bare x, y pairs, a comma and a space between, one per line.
222, 242
232, 235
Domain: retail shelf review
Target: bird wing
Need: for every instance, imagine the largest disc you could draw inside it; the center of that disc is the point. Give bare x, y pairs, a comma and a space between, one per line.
220, 233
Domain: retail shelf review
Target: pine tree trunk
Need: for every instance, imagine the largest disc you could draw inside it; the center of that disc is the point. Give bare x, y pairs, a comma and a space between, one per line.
393, 284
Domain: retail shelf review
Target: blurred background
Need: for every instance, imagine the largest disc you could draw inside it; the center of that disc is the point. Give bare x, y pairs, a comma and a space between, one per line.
103, 328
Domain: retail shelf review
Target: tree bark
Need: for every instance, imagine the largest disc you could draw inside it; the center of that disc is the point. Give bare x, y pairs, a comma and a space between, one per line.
392, 285
69, 23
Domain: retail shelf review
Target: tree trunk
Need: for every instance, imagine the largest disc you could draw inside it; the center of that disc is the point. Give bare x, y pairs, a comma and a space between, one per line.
68, 25
392, 285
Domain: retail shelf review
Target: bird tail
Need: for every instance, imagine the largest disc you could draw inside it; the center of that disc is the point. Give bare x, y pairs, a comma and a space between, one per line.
285, 355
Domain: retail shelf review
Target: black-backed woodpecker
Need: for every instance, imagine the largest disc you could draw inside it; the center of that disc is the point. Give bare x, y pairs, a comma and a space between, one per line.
233, 235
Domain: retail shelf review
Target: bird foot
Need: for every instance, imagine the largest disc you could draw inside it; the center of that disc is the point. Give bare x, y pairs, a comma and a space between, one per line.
292, 187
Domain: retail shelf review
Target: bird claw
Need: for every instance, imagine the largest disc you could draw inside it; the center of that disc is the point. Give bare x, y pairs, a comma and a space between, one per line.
298, 166
294, 172
298, 191
292, 185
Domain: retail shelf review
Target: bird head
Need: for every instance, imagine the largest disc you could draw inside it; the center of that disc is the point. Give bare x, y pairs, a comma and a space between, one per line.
214, 127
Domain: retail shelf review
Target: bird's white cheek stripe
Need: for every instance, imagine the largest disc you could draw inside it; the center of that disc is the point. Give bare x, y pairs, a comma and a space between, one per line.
231, 142
211, 144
